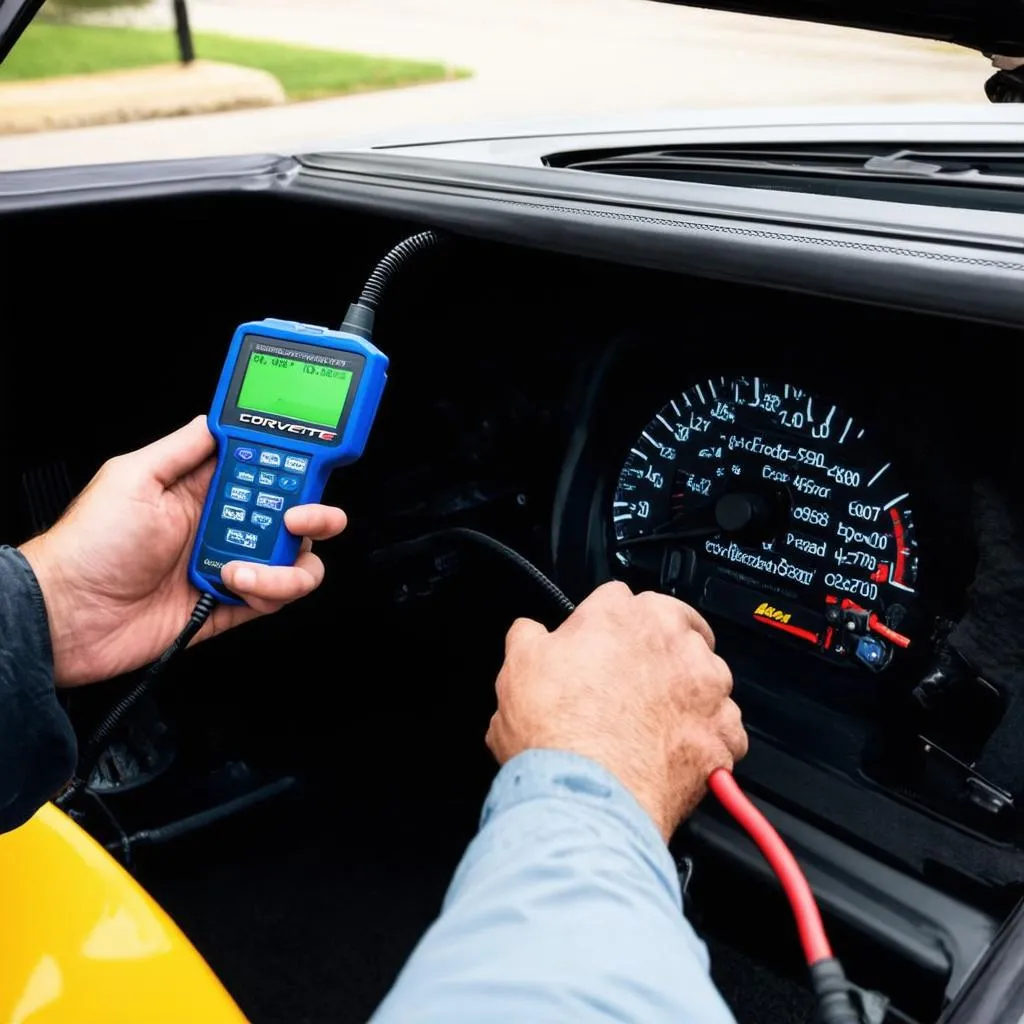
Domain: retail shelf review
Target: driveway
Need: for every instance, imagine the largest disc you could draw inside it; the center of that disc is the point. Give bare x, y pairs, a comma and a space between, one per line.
531, 59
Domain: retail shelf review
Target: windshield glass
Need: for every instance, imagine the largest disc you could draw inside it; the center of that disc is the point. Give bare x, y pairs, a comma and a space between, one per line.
103, 80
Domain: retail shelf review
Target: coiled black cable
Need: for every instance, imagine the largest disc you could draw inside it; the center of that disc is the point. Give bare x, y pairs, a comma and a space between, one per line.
116, 716
381, 274
360, 315
485, 540
518, 560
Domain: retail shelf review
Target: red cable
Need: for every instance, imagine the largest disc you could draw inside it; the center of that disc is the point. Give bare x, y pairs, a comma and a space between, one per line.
805, 909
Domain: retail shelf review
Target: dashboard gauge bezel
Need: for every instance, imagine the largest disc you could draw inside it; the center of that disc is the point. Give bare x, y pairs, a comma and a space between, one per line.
804, 523
638, 374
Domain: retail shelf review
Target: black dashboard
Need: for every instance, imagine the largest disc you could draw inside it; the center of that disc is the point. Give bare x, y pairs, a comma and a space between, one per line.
820, 481
701, 437
557, 371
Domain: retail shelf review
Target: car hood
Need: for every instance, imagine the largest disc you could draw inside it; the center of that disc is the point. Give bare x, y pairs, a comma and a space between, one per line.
14, 18
991, 26
529, 142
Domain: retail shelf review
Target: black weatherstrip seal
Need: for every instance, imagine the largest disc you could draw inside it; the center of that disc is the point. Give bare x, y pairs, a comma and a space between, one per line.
957, 262
966, 263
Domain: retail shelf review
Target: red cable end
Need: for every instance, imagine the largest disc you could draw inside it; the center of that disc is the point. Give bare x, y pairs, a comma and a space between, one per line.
781, 860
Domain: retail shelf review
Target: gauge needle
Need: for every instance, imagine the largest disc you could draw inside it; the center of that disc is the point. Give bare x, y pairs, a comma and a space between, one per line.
876, 625
665, 538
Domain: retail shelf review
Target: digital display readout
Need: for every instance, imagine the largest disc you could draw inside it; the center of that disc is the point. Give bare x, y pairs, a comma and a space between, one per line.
294, 389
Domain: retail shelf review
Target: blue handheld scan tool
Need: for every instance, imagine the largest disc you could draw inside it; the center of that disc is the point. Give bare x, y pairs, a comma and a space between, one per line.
293, 403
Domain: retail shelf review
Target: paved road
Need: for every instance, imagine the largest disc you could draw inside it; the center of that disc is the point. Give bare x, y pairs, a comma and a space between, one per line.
532, 59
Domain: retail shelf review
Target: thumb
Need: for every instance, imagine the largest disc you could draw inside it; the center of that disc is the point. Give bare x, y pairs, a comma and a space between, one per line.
521, 633
177, 454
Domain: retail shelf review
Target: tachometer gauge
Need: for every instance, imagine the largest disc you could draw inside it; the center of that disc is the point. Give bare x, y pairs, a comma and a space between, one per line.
764, 504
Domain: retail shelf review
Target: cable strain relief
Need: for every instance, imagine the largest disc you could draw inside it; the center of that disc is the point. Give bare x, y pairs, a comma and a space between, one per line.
359, 321
67, 796
202, 609
832, 990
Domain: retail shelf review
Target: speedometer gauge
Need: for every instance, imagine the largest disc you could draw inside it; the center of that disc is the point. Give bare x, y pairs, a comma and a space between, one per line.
764, 504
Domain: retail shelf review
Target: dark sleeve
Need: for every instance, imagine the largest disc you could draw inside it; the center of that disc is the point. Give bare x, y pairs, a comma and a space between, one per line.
37, 743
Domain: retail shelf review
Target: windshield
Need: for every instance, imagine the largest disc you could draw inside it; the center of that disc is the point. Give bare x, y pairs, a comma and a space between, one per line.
101, 80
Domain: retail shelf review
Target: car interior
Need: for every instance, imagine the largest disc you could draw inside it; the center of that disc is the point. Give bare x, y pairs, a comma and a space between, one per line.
833, 483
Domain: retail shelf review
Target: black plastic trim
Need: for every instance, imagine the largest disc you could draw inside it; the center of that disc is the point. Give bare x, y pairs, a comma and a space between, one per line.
64, 186
994, 993
958, 262
940, 935
964, 263
649, 196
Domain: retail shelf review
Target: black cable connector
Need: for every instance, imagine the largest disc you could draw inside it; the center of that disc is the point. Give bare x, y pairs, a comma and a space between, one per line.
833, 992
359, 318
123, 708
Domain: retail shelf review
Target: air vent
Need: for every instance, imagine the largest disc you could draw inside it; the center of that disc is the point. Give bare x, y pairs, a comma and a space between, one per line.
981, 177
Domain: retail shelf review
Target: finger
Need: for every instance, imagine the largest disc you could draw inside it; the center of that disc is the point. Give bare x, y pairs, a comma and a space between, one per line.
608, 595
695, 621
197, 483
267, 587
730, 728
722, 673
610, 600
319, 522
491, 737
177, 454
672, 612
700, 624
496, 740
521, 633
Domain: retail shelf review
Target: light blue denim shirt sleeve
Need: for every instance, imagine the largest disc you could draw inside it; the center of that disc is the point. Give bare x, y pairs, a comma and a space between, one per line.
565, 908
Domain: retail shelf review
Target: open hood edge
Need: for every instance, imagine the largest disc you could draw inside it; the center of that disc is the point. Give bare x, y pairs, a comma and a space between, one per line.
991, 26
15, 17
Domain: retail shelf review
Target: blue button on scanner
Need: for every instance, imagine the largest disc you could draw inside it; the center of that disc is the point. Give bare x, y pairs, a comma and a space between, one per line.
267, 479
270, 458
247, 476
242, 538
288, 483
236, 493
296, 463
271, 501
245, 454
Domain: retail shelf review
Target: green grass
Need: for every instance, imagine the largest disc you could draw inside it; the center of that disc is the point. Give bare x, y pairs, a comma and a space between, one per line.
48, 50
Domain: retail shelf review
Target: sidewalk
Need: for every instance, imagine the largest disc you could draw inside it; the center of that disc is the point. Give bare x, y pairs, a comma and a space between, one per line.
532, 58
167, 90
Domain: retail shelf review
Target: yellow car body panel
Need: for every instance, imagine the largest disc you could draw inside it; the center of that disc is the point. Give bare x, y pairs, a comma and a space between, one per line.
82, 943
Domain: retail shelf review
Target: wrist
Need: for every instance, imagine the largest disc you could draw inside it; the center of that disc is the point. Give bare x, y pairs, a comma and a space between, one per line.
46, 569
647, 798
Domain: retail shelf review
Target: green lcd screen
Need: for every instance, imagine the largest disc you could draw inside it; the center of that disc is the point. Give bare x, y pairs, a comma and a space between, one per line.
294, 390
